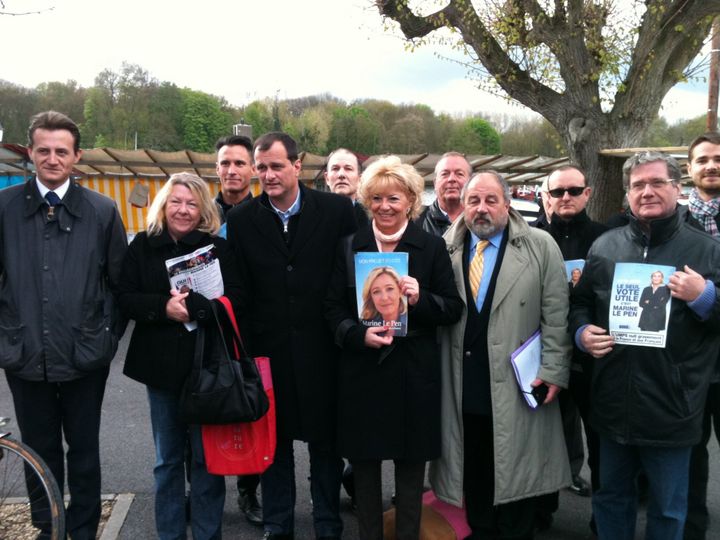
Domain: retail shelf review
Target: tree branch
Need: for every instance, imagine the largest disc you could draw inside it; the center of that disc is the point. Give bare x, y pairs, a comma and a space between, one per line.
460, 14
670, 35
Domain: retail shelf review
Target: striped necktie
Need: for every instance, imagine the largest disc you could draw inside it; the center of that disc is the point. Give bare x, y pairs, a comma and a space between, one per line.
476, 268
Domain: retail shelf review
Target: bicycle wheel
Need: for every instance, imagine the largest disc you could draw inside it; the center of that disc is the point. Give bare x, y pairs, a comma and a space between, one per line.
29, 496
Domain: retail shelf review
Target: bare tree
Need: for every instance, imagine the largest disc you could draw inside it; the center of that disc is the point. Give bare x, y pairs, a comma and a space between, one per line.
4, 11
597, 70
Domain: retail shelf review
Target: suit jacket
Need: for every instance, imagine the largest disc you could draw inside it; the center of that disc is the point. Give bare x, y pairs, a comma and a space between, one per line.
279, 303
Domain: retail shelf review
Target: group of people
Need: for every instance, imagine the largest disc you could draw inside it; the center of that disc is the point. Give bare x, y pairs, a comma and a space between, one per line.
480, 282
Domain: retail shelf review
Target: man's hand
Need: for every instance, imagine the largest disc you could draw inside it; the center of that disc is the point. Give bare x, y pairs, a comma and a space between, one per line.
687, 285
374, 341
175, 308
553, 390
596, 341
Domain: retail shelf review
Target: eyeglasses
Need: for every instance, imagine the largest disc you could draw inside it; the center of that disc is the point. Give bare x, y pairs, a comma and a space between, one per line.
658, 183
559, 193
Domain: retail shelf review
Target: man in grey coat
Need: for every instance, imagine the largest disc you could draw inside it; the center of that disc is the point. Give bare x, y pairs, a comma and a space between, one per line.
61, 248
497, 451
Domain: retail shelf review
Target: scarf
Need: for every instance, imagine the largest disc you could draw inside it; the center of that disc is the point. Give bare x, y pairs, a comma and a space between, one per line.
381, 238
705, 212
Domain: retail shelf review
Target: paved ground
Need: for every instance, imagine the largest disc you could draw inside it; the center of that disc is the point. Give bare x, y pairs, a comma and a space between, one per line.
127, 457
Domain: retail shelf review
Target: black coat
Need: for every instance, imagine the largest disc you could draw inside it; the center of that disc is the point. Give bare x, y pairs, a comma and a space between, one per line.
389, 403
652, 318
647, 395
161, 350
280, 304
575, 235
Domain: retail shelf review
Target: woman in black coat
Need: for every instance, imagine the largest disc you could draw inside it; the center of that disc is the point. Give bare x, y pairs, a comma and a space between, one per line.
181, 219
389, 386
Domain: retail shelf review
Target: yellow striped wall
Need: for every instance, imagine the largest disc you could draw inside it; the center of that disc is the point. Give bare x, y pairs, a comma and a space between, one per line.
118, 188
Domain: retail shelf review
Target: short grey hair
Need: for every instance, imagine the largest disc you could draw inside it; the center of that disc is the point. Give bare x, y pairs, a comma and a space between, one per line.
500, 180
452, 153
650, 156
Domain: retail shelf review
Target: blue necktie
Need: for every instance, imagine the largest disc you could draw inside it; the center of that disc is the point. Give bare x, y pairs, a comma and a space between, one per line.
52, 198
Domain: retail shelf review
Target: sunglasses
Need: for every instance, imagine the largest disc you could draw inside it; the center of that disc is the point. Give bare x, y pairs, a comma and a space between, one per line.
558, 193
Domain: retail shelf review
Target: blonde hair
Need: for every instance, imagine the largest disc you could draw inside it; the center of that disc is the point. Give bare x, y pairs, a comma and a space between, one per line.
389, 172
369, 311
209, 217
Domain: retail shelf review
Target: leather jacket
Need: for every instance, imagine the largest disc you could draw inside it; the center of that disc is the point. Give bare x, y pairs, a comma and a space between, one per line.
645, 395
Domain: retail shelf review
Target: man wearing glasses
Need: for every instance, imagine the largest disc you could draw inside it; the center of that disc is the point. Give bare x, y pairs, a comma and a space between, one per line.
647, 402
567, 195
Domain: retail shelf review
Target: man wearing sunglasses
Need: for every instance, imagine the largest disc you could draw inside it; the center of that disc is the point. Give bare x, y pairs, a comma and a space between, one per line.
567, 195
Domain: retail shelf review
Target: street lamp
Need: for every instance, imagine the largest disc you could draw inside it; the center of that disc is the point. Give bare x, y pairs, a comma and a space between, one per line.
1, 132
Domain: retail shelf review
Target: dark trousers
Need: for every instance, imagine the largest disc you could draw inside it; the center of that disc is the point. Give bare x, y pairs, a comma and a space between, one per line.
697, 521
580, 389
409, 477
511, 521
47, 411
278, 489
248, 484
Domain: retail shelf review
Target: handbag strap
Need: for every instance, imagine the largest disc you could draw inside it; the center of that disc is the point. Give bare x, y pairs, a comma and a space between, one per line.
237, 338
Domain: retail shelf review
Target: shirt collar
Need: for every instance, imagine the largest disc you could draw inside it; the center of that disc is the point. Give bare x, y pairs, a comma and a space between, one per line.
495, 240
287, 214
59, 191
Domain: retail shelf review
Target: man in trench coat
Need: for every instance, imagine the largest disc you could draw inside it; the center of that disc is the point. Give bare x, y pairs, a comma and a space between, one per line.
496, 451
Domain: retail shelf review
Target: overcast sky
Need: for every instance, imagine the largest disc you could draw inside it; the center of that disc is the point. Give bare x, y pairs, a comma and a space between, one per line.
251, 49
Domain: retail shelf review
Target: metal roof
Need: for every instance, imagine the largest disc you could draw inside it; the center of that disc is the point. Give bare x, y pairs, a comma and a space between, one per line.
14, 161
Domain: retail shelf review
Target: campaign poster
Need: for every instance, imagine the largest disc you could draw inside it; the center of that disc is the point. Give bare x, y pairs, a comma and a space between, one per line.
574, 270
380, 301
640, 304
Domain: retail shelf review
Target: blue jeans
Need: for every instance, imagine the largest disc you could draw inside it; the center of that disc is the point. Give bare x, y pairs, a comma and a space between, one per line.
207, 496
278, 490
615, 503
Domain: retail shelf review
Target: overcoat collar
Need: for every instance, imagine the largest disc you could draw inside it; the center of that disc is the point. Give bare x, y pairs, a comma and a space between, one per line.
71, 203
191, 239
308, 220
513, 260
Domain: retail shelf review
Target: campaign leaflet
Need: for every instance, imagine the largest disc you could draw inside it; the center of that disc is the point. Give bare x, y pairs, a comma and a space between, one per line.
198, 271
640, 304
380, 301
574, 270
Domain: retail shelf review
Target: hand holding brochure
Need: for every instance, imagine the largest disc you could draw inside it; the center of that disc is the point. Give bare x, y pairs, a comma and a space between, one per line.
526, 364
380, 301
198, 271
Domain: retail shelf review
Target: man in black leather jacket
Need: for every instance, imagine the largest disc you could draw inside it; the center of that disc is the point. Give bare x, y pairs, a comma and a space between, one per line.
647, 403
451, 174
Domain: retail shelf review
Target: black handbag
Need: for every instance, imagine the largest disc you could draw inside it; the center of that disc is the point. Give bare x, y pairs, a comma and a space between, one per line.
224, 386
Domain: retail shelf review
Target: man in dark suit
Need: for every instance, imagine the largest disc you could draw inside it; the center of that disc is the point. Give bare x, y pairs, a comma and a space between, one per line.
342, 176
285, 243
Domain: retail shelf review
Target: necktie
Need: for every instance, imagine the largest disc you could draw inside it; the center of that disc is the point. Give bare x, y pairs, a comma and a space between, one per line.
53, 200
476, 268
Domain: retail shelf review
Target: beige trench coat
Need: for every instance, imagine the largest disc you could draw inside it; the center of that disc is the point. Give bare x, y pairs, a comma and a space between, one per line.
531, 293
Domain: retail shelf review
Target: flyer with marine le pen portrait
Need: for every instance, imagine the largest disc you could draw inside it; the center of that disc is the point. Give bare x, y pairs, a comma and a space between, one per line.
640, 304
380, 300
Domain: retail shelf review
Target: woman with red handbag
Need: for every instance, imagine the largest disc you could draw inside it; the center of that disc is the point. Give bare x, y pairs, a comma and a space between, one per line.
182, 219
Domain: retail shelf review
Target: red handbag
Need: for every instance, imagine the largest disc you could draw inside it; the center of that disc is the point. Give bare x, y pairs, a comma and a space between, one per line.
248, 447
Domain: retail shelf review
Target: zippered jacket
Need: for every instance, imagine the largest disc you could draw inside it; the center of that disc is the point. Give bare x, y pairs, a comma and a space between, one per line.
645, 395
